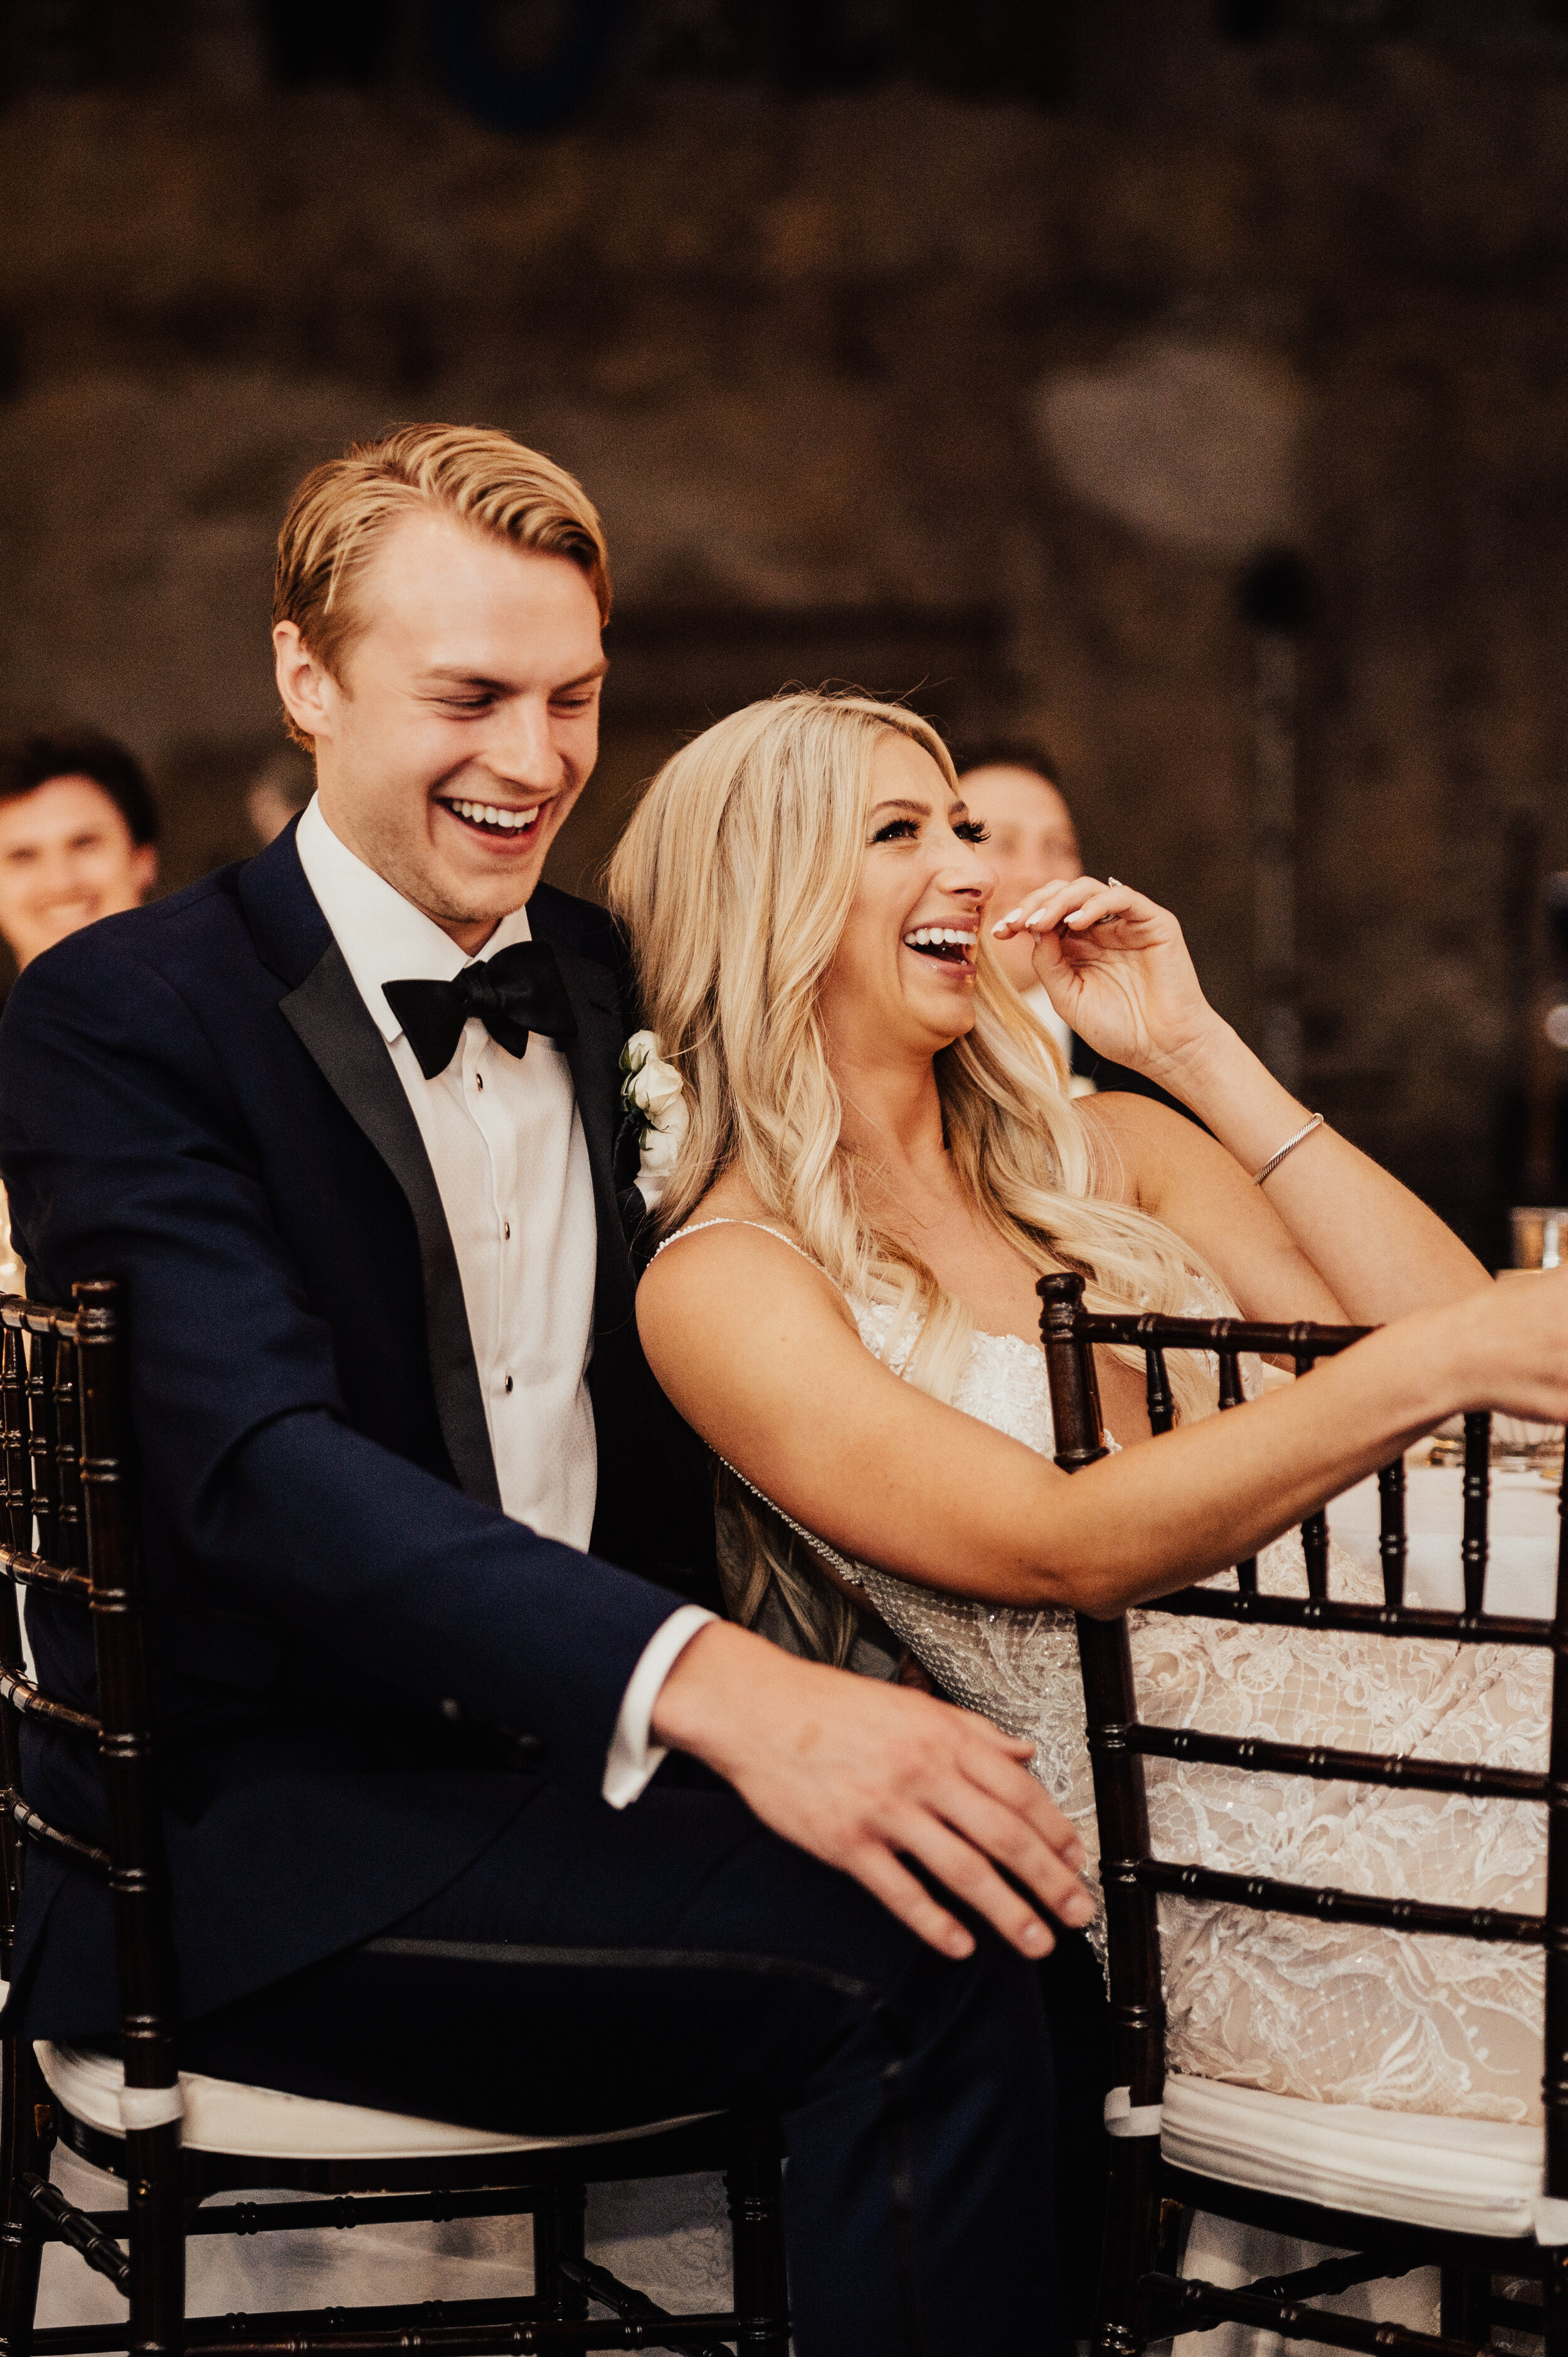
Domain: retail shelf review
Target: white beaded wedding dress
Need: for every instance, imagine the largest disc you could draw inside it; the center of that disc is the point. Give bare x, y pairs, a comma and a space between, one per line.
1330, 2013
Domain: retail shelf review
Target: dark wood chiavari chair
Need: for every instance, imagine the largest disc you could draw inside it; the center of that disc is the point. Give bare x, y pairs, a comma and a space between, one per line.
67, 1500
1142, 2297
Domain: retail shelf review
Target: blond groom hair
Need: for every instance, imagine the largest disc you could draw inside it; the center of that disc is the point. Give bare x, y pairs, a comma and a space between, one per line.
475, 473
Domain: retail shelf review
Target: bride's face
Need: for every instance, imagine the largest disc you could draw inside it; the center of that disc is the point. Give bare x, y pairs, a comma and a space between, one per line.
902, 979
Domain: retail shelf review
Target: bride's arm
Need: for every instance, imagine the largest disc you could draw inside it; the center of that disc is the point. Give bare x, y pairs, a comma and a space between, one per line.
755, 1349
1116, 966
1359, 1251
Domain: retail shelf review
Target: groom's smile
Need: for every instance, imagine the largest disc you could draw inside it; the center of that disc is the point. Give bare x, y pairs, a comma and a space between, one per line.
464, 722
493, 818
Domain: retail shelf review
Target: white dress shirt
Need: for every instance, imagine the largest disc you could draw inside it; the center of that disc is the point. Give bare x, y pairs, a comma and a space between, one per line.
1037, 999
510, 1163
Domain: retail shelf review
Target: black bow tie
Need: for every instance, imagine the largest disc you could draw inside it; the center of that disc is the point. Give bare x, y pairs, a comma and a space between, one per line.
518, 991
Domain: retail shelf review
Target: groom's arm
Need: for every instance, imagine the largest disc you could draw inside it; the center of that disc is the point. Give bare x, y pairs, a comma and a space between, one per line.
127, 1155
879, 1781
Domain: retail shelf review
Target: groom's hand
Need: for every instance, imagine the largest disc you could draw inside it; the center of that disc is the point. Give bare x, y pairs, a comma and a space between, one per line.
866, 1775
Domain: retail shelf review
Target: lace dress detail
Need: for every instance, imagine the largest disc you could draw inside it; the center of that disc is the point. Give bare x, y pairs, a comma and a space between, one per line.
1326, 2012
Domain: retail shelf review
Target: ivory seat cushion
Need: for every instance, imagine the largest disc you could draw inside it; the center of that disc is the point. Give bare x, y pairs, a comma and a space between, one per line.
263, 2124
1478, 2177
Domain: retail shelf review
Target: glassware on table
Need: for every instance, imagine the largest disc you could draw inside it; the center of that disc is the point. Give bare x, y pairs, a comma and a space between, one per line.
1540, 1243
1540, 1235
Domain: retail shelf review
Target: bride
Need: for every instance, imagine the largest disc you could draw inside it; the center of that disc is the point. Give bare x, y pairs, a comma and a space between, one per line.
875, 1159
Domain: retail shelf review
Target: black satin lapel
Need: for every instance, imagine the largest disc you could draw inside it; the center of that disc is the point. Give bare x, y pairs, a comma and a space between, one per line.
333, 1023
595, 1059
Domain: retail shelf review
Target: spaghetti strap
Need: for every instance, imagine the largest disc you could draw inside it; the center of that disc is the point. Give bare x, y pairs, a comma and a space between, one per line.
761, 1227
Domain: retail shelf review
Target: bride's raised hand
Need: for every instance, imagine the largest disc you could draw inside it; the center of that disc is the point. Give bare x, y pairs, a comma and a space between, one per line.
1116, 969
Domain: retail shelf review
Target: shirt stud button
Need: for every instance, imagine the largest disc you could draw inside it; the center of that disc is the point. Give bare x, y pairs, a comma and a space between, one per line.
506, 1232
507, 1385
478, 1080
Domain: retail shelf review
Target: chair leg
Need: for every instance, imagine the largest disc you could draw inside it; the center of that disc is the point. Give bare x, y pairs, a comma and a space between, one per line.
1132, 2231
1466, 2305
26, 2138
1555, 2301
557, 2235
752, 2183
154, 2199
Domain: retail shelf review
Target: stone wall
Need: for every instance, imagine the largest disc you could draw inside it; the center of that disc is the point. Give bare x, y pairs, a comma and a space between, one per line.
964, 399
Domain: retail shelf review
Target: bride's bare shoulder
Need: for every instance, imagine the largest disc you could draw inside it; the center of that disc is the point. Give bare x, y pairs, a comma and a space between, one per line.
729, 1252
1136, 1144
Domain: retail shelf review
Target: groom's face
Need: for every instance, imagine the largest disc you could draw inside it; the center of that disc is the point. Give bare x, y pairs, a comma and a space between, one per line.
465, 722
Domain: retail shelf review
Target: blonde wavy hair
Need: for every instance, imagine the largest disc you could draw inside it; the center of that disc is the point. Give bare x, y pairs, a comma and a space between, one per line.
734, 881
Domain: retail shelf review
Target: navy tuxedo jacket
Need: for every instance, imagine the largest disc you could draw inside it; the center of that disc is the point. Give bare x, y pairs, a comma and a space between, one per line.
348, 1634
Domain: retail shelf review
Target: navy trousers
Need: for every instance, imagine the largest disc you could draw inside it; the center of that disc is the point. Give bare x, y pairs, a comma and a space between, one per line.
916, 2092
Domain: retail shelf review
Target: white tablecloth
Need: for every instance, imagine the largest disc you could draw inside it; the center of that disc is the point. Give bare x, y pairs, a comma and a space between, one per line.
1522, 1569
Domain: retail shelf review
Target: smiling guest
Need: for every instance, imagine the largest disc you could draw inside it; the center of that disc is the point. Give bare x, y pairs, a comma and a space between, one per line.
79, 832
343, 1119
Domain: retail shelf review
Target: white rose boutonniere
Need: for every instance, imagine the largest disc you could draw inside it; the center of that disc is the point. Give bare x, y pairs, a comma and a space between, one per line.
654, 1093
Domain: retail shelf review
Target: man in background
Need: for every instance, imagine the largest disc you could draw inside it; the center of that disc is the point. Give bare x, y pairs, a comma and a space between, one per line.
1011, 786
77, 837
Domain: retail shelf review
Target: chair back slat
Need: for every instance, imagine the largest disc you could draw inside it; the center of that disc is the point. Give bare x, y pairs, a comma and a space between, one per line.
1070, 1366
1554, 2087
15, 1524
15, 1459
1328, 1904
1407, 1771
1315, 1529
125, 1743
1232, 1395
11, 1852
32, 1703
1158, 1391
1391, 1542
66, 1432
1315, 1547
1477, 1491
47, 1837
43, 1347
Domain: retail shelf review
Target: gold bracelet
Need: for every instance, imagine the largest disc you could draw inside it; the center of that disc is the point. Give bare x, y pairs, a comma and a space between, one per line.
1273, 1164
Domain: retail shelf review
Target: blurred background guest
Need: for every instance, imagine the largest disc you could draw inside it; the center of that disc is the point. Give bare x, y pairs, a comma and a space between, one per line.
279, 792
1011, 786
78, 832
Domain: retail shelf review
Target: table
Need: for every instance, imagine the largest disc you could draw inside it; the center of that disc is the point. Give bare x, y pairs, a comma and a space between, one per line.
1522, 1570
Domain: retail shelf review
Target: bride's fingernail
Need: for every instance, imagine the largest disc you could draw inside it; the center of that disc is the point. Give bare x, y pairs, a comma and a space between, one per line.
1014, 916
1078, 1908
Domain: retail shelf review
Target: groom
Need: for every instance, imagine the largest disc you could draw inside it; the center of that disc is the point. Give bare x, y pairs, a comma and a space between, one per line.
426, 1547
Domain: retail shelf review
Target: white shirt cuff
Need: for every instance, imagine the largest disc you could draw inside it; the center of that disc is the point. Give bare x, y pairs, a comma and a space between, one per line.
631, 1761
